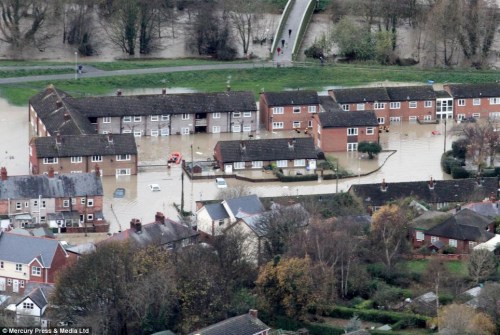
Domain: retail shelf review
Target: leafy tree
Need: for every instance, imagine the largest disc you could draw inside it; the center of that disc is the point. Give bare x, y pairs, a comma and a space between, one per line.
461, 319
354, 41
488, 300
482, 264
371, 148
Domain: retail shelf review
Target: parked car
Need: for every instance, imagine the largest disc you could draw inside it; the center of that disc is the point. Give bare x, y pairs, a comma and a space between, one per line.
119, 193
154, 187
220, 182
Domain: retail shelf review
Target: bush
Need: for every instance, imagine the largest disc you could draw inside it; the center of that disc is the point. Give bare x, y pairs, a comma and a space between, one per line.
305, 177
447, 250
314, 52
459, 148
448, 162
458, 172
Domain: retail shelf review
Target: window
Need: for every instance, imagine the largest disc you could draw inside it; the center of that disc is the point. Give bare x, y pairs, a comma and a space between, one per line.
90, 202
127, 119
1, 265
352, 131
215, 129
472, 244
309, 124
73, 201
9, 281
239, 165
413, 104
311, 109
420, 236
26, 204
296, 109
434, 239
257, 164
453, 243
185, 131
395, 119
428, 103
18, 206
96, 159
476, 102
185, 116
412, 119
19, 267
22, 283
360, 107
82, 201
106, 119
379, 105
165, 117
278, 125
154, 118
296, 124
221, 222
90, 217
50, 160
427, 117
154, 133
345, 108
460, 117
123, 172
164, 132
43, 204
137, 118
495, 115
236, 114
138, 133
494, 101
35, 203
127, 131
66, 203
476, 115
75, 171
28, 305
76, 160
36, 271
352, 146
381, 120
278, 110
247, 128
216, 116
370, 131
395, 105
299, 162
461, 102
282, 163
122, 157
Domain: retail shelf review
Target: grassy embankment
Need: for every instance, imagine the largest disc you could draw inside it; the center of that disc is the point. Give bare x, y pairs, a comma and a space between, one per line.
256, 80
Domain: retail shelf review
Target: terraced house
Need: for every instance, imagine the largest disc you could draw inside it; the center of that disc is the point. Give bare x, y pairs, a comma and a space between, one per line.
475, 100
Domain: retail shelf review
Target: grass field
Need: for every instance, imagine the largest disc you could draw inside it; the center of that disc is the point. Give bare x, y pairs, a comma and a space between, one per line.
455, 267
256, 80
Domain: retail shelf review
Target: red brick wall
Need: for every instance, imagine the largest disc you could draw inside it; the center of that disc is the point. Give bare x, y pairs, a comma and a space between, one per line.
59, 261
288, 116
420, 111
462, 246
336, 139
108, 165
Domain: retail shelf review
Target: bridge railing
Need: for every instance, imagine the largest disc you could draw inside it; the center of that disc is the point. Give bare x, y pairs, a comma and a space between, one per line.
304, 23
281, 25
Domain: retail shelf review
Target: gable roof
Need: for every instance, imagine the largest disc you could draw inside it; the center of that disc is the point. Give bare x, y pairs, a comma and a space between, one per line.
360, 94
158, 104
239, 325
216, 211
328, 104
39, 296
468, 91
24, 249
444, 191
59, 186
85, 145
429, 219
249, 204
348, 119
466, 225
267, 149
410, 93
291, 98
488, 209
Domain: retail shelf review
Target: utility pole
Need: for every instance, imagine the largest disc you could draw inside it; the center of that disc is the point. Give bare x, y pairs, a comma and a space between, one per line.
182, 193
445, 117
337, 176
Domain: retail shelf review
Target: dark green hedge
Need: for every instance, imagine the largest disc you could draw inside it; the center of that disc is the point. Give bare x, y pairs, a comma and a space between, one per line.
305, 177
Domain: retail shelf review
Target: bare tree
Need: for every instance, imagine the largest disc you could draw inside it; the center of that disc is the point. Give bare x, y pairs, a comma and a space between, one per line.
243, 15
483, 141
461, 319
78, 25
482, 264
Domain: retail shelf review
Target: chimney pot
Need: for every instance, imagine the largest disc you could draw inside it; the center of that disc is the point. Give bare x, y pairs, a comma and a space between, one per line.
119, 93
253, 313
160, 217
66, 116
3, 172
58, 104
163, 91
136, 225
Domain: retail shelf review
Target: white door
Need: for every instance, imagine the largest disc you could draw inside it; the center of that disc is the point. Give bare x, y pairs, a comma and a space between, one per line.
236, 128
2, 284
228, 168
15, 285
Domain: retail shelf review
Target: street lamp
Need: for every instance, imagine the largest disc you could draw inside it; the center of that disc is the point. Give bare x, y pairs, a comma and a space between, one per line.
76, 65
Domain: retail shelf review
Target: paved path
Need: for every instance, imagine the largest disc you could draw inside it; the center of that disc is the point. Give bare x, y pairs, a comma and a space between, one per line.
91, 72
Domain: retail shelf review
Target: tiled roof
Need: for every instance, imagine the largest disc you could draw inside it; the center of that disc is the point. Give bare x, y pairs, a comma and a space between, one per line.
24, 249
63, 185
488, 209
267, 149
85, 145
348, 119
467, 91
411, 93
444, 191
158, 104
239, 325
250, 204
216, 211
328, 104
466, 225
38, 293
429, 219
291, 98
59, 118
360, 94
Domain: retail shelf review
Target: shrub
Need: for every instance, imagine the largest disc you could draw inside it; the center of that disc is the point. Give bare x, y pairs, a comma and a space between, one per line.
306, 177
458, 172
448, 162
459, 148
314, 52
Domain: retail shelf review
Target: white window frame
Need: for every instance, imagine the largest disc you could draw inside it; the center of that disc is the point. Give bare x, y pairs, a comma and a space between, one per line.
28, 305
461, 102
246, 129
370, 131
476, 102
395, 119
352, 131
419, 235
296, 124
216, 129
494, 115
427, 117
96, 158
239, 165
476, 115
164, 132
460, 117
19, 267
90, 202
428, 103
76, 159
137, 118
155, 118
137, 133
106, 119
381, 120
19, 206
296, 109
247, 114
125, 157
412, 104
36, 271
65, 203
282, 163
278, 125
127, 119
395, 105
311, 109
278, 110
353, 146
360, 107
82, 201
216, 115
346, 107
494, 101
309, 123
165, 117
257, 164
299, 162
452, 243
50, 160
122, 172
434, 239
412, 118
185, 116
154, 133
236, 114
90, 217
185, 131
379, 105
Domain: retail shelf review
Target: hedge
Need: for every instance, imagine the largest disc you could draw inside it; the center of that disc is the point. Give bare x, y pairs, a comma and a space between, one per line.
304, 177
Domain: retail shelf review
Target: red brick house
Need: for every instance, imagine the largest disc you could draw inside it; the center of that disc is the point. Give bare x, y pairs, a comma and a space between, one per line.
475, 100
412, 103
288, 110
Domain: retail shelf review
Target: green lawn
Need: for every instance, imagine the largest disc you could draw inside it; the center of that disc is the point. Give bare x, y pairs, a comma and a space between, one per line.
34, 72
455, 267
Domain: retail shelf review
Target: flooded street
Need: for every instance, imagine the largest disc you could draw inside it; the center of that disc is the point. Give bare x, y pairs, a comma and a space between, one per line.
417, 157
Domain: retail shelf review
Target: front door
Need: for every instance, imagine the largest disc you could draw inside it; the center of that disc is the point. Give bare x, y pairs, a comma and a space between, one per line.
2, 284
15, 285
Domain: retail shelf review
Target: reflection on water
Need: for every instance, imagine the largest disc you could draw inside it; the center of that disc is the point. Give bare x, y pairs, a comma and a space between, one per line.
417, 157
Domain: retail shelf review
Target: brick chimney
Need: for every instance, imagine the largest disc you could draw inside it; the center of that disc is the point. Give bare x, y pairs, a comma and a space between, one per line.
97, 170
58, 138
291, 144
119, 93
110, 137
51, 172
3, 172
66, 116
253, 313
243, 146
383, 186
163, 91
431, 184
160, 217
135, 224
58, 104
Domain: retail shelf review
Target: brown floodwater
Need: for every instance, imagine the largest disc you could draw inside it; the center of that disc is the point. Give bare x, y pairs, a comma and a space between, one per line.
417, 157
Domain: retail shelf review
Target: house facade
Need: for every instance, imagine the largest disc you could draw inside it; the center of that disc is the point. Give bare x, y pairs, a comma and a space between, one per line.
37, 198
260, 153
31, 307
288, 110
113, 155
479, 101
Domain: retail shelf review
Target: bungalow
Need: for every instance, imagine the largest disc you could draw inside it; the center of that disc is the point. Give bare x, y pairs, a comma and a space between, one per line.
288, 110
423, 223
54, 111
438, 194
475, 100
256, 154
36, 198
246, 324
116, 155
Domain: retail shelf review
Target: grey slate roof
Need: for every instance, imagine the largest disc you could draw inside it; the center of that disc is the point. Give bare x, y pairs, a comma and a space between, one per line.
291, 98
267, 149
216, 211
63, 185
467, 91
411, 93
24, 249
158, 104
249, 204
39, 296
488, 209
429, 219
449, 191
466, 225
328, 104
348, 119
63, 120
239, 325
85, 145
360, 94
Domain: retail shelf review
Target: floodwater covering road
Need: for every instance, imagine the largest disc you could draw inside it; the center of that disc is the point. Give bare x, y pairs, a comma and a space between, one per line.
417, 157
